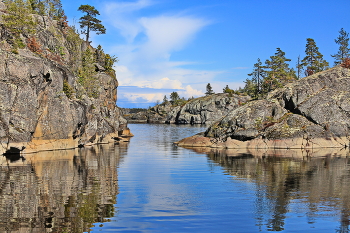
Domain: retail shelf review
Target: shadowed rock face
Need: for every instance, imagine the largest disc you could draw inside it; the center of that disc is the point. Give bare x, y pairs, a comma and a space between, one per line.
312, 112
35, 112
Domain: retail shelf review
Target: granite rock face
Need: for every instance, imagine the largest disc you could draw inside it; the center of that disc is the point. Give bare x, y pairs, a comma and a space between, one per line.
35, 111
208, 109
313, 112
202, 110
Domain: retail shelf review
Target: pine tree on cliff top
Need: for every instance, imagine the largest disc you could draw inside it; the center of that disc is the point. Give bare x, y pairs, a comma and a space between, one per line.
253, 85
344, 51
209, 90
174, 97
278, 72
89, 21
313, 61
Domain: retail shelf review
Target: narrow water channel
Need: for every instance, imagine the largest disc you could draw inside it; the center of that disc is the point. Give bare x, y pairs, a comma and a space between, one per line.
150, 185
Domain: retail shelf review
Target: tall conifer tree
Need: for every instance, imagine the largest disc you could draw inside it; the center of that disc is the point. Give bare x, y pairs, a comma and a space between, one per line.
278, 72
209, 90
313, 62
344, 51
253, 87
90, 22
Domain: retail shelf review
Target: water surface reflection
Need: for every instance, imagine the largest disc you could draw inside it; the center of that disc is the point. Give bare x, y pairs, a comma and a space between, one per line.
290, 186
150, 185
59, 191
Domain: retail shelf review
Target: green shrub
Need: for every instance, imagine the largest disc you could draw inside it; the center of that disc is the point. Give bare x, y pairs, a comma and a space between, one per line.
68, 90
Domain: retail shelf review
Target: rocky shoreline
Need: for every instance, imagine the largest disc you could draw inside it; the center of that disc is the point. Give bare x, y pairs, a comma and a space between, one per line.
313, 112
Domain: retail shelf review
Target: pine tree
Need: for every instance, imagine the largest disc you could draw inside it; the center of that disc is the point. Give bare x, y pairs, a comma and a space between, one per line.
51, 8
278, 72
90, 22
299, 68
55, 9
18, 20
165, 99
227, 90
313, 61
253, 86
209, 90
174, 97
344, 51
250, 88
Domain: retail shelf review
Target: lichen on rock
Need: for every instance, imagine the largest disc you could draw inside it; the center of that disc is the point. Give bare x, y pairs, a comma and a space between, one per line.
43, 106
202, 110
313, 112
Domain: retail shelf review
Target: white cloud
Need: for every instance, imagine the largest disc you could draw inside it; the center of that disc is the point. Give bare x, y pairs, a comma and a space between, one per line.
121, 15
191, 92
166, 83
169, 33
147, 48
138, 97
155, 91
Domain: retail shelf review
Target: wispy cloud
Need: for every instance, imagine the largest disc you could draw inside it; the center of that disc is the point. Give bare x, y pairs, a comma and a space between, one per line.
122, 16
149, 41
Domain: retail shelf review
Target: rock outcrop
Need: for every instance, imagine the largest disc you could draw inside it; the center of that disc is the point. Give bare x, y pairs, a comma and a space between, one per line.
202, 110
43, 103
313, 112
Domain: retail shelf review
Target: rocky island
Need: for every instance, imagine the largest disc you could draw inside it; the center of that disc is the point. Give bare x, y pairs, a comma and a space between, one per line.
313, 112
202, 110
56, 91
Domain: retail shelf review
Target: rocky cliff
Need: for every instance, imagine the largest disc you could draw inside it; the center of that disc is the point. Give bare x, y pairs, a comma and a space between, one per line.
313, 112
202, 110
52, 96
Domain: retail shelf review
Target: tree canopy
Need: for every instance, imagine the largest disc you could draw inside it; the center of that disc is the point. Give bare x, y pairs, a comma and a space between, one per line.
344, 51
265, 78
278, 72
19, 20
89, 22
209, 90
313, 62
52, 8
254, 84
174, 97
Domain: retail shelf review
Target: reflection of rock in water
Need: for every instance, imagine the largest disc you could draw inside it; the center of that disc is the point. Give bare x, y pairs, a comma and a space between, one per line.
65, 191
314, 185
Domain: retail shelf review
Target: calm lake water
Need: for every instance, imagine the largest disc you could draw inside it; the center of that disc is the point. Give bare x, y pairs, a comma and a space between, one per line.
150, 185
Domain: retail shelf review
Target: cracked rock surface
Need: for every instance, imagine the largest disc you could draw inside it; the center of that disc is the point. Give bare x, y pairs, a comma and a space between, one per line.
35, 112
202, 110
313, 112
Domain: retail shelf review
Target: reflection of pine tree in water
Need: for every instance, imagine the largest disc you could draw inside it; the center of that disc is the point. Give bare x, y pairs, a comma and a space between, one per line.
61, 190
318, 185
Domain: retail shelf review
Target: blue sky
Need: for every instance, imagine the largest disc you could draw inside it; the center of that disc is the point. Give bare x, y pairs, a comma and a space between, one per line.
181, 45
